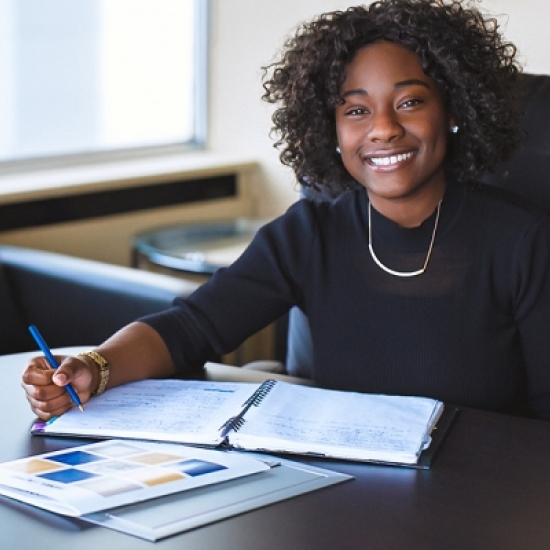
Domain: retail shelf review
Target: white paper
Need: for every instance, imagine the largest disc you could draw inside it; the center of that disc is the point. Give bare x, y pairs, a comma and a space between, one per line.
339, 424
185, 411
105, 475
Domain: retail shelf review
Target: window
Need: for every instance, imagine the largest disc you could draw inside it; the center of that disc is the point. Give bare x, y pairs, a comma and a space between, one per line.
100, 77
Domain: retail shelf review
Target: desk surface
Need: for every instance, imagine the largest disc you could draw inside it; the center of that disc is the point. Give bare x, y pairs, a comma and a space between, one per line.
488, 488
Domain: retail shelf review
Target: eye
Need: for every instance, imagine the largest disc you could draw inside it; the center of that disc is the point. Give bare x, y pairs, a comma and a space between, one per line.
357, 111
410, 103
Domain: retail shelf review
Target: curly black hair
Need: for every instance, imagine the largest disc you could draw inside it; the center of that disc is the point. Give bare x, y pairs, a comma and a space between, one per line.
457, 46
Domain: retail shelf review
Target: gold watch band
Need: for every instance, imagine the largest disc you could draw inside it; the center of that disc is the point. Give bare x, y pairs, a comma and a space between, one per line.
103, 367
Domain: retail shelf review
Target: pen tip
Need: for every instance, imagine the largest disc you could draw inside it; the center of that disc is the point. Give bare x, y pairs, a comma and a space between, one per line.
81, 407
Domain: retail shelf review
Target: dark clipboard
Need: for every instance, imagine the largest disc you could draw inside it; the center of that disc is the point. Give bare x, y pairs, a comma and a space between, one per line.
439, 433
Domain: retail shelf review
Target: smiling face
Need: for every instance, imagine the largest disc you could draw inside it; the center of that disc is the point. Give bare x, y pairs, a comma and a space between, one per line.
392, 130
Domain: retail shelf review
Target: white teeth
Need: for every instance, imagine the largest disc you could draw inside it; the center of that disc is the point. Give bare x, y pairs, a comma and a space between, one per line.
393, 159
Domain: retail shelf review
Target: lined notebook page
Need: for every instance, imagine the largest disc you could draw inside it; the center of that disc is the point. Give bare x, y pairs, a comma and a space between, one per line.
185, 411
339, 424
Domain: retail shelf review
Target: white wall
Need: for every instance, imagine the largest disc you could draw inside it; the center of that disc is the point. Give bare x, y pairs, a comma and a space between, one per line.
246, 34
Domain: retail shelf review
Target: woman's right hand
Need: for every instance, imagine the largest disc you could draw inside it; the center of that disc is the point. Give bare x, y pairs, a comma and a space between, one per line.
44, 386
137, 350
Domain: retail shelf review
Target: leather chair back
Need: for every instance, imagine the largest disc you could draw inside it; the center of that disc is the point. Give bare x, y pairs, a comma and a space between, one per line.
527, 173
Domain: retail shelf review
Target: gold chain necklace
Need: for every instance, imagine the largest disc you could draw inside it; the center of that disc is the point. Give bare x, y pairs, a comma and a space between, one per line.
404, 273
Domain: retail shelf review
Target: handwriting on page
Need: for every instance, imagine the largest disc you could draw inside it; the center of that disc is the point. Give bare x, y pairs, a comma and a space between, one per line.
161, 406
332, 434
310, 420
172, 412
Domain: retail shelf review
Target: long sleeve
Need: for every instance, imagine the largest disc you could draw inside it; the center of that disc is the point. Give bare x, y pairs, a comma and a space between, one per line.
243, 298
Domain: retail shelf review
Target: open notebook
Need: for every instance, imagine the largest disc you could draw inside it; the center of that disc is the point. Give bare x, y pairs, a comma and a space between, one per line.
274, 417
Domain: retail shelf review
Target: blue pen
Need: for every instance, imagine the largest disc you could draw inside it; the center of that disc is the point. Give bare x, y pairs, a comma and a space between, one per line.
53, 363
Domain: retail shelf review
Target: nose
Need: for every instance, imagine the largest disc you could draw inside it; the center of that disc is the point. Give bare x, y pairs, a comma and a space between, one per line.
385, 126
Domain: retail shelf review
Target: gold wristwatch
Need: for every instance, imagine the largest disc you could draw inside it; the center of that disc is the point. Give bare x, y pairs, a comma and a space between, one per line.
103, 367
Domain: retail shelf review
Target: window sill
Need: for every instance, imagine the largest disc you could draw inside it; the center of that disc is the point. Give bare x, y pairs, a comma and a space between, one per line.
74, 180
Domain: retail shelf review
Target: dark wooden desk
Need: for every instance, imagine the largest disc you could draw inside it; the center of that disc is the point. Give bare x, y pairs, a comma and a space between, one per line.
489, 488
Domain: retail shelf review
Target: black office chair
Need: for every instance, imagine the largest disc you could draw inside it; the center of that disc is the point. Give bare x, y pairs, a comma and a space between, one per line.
527, 174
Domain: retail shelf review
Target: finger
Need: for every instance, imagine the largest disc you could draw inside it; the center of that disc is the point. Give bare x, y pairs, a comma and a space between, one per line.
42, 392
38, 372
48, 409
75, 372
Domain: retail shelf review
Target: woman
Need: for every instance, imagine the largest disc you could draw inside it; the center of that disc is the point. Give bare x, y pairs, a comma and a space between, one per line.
415, 279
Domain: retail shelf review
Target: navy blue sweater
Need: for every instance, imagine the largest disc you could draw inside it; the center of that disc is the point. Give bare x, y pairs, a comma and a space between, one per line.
473, 330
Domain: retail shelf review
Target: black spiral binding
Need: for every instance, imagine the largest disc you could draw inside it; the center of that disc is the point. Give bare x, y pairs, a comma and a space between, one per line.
260, 394
236, 422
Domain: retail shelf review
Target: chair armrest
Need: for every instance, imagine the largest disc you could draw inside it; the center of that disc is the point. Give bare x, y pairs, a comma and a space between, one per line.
227, 373
266, 365
76, 301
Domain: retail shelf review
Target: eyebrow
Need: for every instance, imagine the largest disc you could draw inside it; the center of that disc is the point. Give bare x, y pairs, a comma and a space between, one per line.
397, 85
